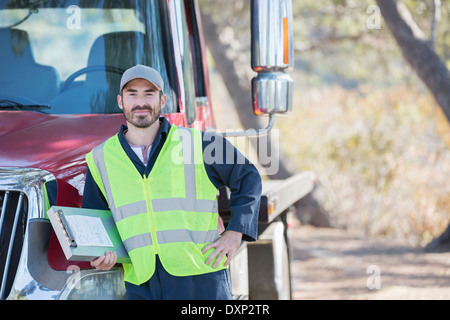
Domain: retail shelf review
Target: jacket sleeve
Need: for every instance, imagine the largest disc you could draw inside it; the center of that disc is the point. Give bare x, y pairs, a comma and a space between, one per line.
92, 195
226, 166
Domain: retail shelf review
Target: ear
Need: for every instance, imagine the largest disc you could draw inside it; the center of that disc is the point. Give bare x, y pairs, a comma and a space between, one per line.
163, 101
120, 102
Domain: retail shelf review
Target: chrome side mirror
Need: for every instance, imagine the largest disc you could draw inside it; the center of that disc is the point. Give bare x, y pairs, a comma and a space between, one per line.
272, 55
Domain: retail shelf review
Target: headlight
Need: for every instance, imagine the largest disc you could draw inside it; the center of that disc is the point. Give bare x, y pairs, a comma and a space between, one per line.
94, 285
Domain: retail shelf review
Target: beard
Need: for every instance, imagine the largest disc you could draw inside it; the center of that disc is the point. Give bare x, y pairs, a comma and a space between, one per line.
143, 121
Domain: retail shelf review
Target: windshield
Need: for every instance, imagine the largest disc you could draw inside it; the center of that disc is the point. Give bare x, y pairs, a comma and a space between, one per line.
70, 55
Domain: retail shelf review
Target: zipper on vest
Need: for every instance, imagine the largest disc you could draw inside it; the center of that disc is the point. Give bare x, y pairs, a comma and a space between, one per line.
151, 216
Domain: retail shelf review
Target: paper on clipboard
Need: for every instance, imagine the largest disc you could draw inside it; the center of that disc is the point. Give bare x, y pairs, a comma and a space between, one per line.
89, 231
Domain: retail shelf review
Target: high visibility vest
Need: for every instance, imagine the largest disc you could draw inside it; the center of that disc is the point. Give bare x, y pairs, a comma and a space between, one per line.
173, 212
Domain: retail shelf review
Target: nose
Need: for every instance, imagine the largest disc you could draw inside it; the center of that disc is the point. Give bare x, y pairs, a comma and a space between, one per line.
140, 99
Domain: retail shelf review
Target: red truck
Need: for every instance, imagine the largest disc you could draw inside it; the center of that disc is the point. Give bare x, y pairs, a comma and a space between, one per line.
61, 63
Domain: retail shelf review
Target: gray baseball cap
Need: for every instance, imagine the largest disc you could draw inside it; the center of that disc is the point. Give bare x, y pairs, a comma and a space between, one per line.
142, 72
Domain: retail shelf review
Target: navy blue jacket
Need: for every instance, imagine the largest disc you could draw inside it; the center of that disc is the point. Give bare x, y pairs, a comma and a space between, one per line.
239, 175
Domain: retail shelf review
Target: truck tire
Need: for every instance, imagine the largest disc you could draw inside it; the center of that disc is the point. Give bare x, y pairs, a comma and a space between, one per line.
268, 263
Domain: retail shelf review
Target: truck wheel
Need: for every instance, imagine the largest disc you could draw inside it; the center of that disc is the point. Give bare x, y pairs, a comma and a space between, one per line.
268, 263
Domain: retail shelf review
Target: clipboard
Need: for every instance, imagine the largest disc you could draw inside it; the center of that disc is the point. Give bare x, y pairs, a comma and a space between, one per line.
79, 241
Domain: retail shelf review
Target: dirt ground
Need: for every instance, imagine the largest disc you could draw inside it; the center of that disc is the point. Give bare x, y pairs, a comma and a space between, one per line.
330, 264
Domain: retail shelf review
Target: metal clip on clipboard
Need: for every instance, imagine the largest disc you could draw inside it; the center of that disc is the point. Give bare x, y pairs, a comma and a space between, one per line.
66, 228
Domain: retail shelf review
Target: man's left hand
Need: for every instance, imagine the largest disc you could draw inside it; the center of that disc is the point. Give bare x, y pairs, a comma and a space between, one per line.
227, 245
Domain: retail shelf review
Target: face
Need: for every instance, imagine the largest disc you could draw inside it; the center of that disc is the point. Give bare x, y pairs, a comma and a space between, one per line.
141, 103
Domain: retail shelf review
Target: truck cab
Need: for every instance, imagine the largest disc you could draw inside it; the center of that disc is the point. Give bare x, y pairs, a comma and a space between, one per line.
61, 64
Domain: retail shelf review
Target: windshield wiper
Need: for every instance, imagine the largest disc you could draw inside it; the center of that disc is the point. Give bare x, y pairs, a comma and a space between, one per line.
9, 104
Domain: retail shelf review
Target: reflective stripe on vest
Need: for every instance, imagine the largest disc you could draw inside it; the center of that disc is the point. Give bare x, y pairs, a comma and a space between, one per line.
195, 202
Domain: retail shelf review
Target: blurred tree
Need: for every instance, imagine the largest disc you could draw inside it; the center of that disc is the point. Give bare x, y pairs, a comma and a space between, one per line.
419, 51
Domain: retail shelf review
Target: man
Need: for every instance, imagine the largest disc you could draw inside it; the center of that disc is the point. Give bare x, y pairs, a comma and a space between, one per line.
163, 199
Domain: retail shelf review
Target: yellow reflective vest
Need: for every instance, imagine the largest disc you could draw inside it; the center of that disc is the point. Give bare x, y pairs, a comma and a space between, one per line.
171, 213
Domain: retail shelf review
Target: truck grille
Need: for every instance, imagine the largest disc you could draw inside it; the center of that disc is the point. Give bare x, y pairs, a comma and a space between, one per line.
13, 221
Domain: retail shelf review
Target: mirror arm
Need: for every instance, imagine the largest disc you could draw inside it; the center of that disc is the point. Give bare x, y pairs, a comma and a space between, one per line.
251, 132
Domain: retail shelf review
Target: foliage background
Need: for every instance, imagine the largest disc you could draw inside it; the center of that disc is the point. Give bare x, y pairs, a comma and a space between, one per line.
362, 120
